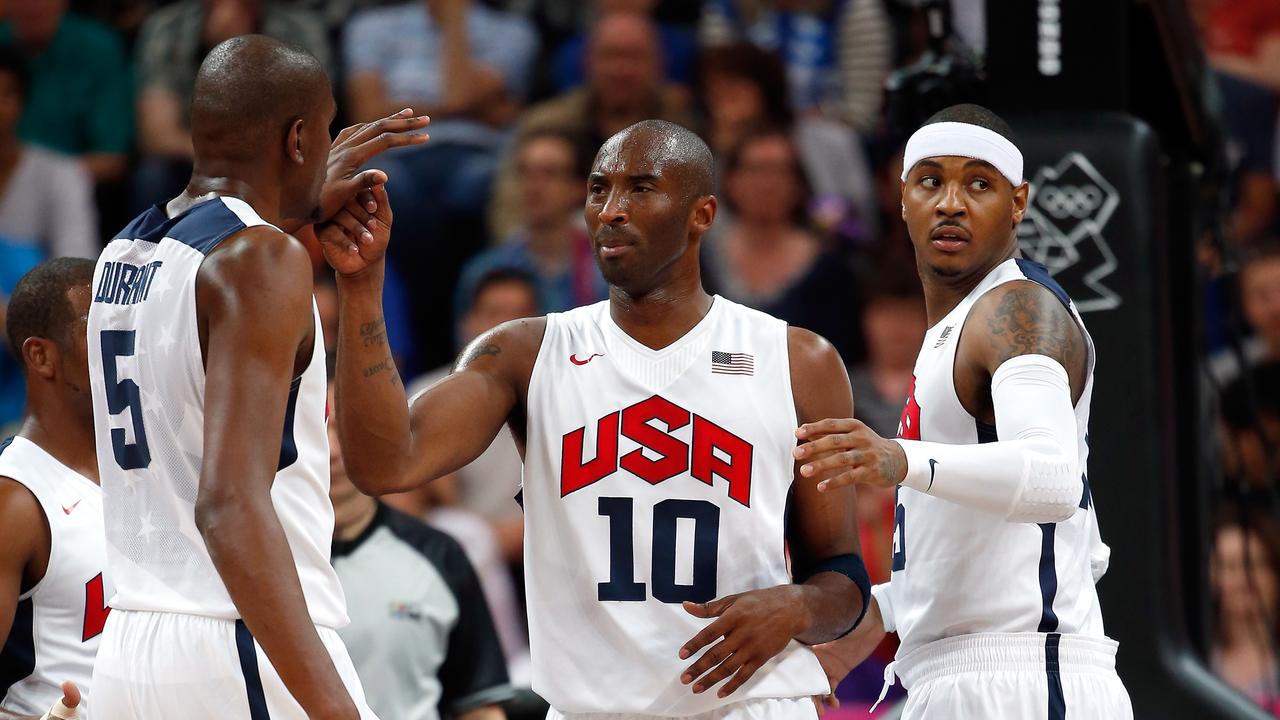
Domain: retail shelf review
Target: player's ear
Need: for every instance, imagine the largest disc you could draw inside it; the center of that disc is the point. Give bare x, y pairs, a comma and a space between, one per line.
1020, 195
40, 355
704, 213
293, 149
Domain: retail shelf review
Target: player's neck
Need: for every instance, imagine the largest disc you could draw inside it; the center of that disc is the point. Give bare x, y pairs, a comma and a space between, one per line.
62, 432
209, 181
663, 315
942, 293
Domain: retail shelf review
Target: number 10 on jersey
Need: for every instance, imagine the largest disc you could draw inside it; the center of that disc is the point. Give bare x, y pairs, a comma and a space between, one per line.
622, 585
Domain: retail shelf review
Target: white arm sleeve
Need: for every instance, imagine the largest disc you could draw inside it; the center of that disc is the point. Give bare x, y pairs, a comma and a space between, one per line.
884, 602
1031, 473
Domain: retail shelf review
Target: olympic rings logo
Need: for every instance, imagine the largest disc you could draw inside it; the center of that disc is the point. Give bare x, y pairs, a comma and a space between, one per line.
1070, 201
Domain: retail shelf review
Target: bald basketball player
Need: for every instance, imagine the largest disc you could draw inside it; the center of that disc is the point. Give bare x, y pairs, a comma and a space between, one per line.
654, 428
208, 378
996, 546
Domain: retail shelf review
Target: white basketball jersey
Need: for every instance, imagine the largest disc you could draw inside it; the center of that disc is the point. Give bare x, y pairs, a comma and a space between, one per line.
957, 570
148, 383
55, 631
652, 477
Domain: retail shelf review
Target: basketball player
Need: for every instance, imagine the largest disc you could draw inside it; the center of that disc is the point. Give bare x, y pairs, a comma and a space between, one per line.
52, 585
657, 460
208, 376
996, 544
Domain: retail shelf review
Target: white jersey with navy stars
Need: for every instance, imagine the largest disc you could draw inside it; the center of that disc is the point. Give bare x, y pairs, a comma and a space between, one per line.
55, 631
653, 477
147, 373
957, 570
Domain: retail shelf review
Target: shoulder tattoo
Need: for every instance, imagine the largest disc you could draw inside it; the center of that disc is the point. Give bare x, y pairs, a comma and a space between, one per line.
478, 351
1028, 320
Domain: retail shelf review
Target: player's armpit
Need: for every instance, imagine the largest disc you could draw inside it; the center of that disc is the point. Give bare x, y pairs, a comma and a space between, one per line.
24, 547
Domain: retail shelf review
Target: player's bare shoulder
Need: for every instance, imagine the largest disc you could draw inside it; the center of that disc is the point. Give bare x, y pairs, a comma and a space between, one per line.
817, 373
1022, 317
510, 349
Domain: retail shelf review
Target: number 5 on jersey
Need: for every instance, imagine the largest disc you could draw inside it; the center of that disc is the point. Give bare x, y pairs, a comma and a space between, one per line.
121, 395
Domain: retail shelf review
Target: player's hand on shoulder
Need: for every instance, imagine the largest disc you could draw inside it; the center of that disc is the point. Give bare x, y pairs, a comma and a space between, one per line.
357, 145
749, 629
846, 451
356, 238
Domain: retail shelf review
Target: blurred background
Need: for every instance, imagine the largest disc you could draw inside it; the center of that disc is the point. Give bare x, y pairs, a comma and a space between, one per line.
1151, 140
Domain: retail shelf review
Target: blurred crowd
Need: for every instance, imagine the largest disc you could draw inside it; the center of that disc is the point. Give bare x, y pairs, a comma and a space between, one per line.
790, 94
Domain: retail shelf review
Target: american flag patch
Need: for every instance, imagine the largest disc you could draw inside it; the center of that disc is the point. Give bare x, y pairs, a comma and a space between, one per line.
725, 363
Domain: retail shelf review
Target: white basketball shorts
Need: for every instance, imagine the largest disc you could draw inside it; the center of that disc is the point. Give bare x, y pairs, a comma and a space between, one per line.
1014, 675
756, 709
167, 665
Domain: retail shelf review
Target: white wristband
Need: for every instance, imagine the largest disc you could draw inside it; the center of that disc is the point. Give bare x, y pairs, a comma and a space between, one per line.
61, 712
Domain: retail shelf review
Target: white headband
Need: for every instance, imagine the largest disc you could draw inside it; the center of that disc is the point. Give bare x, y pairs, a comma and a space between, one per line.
964, 140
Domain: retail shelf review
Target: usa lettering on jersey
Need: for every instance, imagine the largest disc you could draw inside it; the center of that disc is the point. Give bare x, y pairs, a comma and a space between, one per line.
714, 450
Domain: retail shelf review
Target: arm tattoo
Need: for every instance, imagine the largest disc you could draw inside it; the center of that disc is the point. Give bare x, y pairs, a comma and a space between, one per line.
1029, 321
477, 352
373, 334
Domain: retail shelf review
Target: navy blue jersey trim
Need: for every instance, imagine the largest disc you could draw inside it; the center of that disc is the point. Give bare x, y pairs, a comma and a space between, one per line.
986, 432
1048, 579
201, 227
5, 445
18, 658
1053, 672
249, 667
289, 446
1040, 274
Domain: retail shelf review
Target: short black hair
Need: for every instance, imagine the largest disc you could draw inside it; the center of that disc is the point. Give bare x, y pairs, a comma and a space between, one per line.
39, 306
971, 114
14, 63
501, 275
687, 147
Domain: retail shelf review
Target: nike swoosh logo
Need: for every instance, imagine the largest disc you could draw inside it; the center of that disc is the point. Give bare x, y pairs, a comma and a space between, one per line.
574, 358
932, 466
68, 510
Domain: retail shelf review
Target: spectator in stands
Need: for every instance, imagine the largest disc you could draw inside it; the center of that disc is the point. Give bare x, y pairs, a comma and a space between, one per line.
893, 321
80, 90
678, 44
1251, 416
763, 255
624, 86
1242, 42
467, 67
420, 636
1259, 290
837, 52
551, 243
743, 87
173, 41
1245, 574
46, 198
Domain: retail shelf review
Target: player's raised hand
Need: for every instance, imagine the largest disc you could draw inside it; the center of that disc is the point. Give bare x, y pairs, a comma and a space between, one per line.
850, 450
356, 237
357, 145
749, 629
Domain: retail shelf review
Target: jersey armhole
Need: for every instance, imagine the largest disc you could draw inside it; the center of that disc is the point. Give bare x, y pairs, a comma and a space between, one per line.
535, 375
